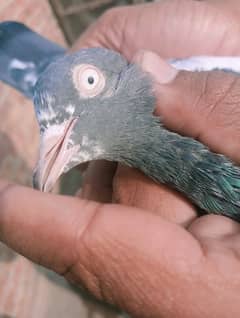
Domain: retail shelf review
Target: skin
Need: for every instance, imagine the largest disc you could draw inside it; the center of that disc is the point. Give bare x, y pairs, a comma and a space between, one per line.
149, 254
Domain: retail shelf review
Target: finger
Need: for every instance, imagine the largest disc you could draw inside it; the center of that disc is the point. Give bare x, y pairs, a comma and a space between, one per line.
219, 237
31, 226
103, 32
126, 29
132, 188
113, 251
214, 227
97, 183
151, 63
203, 105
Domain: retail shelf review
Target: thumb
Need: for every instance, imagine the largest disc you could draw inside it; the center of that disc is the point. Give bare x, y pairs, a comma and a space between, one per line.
202, 105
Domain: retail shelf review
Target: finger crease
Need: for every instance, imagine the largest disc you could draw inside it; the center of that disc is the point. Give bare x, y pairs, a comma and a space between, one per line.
79, 236
223, 96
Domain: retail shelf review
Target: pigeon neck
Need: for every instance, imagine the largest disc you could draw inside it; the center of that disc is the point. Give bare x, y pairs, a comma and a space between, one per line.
188, 166
164, 156
208, 179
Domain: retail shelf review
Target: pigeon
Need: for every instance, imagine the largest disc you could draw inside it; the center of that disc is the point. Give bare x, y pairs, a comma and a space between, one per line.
94, 104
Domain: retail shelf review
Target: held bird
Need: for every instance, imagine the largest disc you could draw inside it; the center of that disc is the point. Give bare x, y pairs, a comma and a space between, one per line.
96, 105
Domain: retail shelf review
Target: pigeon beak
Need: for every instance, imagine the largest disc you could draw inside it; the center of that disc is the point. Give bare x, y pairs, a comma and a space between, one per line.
56, 151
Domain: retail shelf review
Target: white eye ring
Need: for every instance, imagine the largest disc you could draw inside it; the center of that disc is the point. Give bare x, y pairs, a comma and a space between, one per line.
88, 80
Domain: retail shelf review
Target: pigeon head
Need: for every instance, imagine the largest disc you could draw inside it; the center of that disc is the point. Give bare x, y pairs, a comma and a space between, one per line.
89, 105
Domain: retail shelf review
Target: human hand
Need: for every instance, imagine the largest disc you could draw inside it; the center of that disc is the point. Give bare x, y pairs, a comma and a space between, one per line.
135, 259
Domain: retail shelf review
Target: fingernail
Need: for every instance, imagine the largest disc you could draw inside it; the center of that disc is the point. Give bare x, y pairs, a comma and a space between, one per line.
153, 64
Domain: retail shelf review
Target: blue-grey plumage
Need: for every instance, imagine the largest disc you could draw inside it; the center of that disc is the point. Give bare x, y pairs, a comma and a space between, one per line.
24, 55
95, 105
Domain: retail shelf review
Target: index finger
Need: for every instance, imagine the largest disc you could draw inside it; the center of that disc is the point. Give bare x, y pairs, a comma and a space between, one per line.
155, 26
40, 226
98, 246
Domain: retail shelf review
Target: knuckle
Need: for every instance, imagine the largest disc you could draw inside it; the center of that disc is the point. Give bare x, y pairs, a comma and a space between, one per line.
202, 92
215, 98
222, 107
113, 27
82, 270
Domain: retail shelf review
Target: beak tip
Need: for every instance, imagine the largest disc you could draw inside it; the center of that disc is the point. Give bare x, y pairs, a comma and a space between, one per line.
38, 184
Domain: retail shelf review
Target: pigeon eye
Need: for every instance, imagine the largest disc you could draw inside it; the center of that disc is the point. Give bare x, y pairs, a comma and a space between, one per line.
88, 80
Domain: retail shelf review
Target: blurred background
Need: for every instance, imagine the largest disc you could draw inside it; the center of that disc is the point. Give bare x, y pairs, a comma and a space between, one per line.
27, 290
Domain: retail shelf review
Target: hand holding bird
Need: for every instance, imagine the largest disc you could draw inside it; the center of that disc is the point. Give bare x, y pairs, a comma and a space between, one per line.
130, 257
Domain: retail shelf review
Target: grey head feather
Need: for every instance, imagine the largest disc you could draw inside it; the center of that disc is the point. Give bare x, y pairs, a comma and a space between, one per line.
105, 119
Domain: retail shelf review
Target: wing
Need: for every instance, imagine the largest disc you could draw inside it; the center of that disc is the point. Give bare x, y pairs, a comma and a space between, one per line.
24, 55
